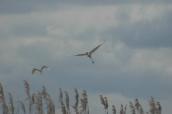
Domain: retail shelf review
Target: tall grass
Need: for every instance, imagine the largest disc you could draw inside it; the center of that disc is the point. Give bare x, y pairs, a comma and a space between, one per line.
41, 102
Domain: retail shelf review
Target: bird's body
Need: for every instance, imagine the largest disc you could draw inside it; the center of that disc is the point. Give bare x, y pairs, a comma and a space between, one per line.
89, 54
34, 70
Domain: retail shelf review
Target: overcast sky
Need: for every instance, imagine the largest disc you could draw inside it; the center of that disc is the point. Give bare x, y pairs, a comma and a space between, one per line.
135, 60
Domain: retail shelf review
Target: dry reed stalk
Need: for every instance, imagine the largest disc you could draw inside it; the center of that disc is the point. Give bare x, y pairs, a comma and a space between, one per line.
141, 111
132, 108
22, 107
11, 103
39, 104
67, 101
84, 103
75, 107
48, 100
2, 96
122, 109
63, 108
125, 109
1, 93
51, 106
61, 96
44, 92
152, 106
104, 102
159, 108
113, 109
5, 108
139, 107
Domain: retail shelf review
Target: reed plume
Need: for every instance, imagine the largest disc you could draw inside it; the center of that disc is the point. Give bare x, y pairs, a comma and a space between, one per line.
152, 106
113, 109
76, 101
27, 90
104, 102
132, 108
137, 104
155, 107
2, 97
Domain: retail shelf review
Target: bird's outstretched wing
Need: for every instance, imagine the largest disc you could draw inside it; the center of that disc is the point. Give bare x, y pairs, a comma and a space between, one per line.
93, 50
44, 67
83, 54
34, 70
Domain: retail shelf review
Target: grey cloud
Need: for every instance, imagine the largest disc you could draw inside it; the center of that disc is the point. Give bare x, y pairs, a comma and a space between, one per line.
18, 6
143, 85
24, 29
12, 7
36, 53
29, 29
148, 36
145, 34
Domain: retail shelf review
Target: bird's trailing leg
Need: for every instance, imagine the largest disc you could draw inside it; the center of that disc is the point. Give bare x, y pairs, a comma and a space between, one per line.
92, 60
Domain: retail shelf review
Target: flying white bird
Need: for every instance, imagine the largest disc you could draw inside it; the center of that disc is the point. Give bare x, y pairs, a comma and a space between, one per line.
89, 54
34, 70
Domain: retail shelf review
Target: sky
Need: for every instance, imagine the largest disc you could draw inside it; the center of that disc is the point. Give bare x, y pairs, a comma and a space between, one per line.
134, 62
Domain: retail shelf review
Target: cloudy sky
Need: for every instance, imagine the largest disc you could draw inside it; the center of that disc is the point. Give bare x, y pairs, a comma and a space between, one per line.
135, 60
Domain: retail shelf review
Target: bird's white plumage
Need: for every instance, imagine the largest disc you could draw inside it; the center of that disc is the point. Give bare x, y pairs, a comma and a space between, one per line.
34, 70
89, 54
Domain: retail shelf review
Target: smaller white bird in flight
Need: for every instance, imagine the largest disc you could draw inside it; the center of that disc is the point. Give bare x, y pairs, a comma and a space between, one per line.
34, 70
89, 54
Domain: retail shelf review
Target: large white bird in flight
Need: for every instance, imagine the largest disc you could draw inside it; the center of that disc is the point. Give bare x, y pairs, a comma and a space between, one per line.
89, 53
34, 70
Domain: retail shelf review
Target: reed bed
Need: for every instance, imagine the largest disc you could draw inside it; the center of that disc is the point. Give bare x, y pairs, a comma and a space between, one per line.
41, 102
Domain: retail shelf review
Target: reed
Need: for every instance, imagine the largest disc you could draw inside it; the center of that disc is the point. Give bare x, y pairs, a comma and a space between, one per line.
75, 107
67, 102
113, 109
84, 109
41, 102
104, 102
